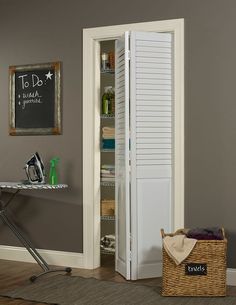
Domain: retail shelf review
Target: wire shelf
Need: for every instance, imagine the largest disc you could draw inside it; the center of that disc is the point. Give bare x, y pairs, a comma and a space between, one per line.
103, 251
108, 116
108, 150
107, 71
108, 183
107, 217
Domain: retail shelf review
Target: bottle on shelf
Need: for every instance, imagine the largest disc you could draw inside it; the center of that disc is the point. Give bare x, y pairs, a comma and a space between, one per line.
105, 62
111, 58
113, 101
108, 100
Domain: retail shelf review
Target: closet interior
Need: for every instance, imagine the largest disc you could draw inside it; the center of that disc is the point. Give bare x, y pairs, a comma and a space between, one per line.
107, 136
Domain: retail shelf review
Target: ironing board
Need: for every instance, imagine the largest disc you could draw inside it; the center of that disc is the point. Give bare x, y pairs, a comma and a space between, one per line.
17, 186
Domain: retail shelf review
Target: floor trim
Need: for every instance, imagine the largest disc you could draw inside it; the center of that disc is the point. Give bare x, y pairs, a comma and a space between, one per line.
69, 259
231, 277
52, 257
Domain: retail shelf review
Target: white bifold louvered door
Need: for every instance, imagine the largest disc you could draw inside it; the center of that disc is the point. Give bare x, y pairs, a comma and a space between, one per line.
149, 192
122, 190
151, 148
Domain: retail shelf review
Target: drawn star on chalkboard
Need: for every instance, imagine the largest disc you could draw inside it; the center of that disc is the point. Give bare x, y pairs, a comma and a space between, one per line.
49, 75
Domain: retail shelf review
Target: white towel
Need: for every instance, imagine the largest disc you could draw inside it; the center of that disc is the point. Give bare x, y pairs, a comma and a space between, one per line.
178, 247
108, 131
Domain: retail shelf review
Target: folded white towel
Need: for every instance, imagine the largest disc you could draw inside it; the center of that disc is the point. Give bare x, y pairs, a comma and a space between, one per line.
178, 247
108, 130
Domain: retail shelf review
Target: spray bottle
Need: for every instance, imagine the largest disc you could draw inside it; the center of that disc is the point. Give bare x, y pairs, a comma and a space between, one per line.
53, 179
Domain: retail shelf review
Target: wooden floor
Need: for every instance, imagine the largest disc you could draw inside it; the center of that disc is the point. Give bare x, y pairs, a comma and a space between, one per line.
14, 274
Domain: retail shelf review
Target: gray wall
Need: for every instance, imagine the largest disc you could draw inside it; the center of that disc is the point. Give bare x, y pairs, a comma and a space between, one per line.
33, 31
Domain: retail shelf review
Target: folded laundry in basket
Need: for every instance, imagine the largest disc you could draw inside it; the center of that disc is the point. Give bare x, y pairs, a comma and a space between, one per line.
213, 233
178, 247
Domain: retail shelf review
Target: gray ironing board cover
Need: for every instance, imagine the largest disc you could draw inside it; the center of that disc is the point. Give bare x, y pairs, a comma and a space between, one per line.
22, 186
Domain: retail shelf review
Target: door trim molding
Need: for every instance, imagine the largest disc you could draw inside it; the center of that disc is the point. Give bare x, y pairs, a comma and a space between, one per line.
91, 125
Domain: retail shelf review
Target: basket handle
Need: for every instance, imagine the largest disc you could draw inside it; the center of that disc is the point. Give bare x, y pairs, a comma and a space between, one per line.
223, 232
162, 233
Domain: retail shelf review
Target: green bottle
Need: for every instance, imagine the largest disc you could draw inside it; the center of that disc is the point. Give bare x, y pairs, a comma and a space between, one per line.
106, 100
53, 179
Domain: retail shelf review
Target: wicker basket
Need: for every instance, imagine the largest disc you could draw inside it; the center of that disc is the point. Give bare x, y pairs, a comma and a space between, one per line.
108, 208
208, 253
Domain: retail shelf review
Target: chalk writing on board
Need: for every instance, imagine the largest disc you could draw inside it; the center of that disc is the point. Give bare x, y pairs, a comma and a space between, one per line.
32, 82
35, 99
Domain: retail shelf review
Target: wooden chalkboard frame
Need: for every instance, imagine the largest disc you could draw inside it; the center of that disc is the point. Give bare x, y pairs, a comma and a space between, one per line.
56, 129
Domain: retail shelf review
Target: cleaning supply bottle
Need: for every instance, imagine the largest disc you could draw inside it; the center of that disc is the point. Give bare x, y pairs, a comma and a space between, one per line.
106, 100
53, 179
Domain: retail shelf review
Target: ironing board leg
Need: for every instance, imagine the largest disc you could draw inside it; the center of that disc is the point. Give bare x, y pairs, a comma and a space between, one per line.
66, 269
28, 245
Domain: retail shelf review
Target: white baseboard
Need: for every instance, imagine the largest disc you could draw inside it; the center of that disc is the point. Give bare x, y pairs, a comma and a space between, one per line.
57, 258
68, 259
231, 277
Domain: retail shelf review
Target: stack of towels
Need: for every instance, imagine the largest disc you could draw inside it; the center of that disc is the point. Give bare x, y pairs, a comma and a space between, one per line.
108, 172
108, 137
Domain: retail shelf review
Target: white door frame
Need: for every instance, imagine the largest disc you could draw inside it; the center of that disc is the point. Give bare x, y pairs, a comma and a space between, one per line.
91, 127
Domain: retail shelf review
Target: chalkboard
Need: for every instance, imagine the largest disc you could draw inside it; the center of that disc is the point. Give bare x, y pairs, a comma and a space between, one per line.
35, 99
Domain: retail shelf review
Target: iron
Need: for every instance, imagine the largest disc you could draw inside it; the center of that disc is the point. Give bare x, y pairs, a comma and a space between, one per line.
34, 169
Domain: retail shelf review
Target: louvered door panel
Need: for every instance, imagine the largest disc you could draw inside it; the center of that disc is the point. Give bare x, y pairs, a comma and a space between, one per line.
151, 145
122, 196
152, 89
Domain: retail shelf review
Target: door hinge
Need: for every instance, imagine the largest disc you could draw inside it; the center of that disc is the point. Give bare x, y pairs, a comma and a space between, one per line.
128, 54
130, 244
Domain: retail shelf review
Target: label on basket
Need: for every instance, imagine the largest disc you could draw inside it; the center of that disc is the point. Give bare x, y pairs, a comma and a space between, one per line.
195, 269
